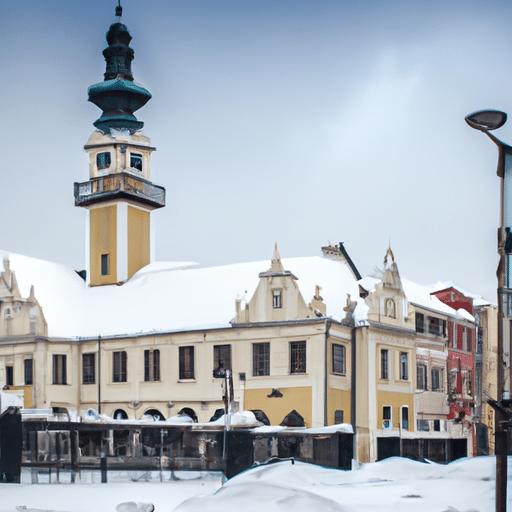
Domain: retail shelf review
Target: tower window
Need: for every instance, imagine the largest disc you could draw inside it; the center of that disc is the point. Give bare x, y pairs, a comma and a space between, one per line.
136, 161
103, 160
104, 265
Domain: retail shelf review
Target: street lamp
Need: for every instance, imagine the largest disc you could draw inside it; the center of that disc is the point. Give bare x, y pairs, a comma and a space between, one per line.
485, 121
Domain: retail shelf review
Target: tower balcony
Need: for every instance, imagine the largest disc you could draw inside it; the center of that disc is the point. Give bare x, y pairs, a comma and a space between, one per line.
119, 186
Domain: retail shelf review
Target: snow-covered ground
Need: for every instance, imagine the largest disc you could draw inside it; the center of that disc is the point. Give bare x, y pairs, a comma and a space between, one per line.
394, 484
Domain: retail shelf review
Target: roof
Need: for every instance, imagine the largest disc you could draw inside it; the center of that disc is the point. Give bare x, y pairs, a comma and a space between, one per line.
415, 293
167, 296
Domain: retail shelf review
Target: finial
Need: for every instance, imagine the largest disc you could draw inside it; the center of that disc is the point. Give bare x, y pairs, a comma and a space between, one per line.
119, 11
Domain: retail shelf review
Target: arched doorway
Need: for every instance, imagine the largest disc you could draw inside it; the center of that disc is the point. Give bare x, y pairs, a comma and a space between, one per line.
119, 414
187, 411
261, 416
155, 413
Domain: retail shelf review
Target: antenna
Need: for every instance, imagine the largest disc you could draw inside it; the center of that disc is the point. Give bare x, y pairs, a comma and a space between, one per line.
119, 10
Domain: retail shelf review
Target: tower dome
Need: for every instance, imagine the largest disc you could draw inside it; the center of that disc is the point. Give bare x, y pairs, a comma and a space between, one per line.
118, 96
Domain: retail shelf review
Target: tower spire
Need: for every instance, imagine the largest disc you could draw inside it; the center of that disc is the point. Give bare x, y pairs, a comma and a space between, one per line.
119, 11
118, 96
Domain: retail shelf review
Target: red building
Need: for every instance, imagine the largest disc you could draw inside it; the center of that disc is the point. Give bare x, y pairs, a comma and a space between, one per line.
461, 358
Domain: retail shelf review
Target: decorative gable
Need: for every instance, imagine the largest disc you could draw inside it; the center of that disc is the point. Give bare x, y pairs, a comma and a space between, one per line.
277, 297
388, 303
18, 316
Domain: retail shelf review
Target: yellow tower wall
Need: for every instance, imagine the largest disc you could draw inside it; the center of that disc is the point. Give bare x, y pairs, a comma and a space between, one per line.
103, 240
138, 239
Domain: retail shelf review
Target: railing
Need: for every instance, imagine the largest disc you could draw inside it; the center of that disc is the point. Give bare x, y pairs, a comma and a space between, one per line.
119, 184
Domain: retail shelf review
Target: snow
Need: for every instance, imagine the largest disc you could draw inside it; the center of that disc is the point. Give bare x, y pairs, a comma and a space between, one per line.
166, 296
462, 314
10, 400
393, 484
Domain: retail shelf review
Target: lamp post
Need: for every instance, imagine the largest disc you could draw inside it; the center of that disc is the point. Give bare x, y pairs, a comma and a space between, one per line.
485, 121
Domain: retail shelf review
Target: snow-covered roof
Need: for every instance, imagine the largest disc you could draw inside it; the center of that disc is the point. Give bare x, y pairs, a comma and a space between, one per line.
167, 296
415, 293
478, 300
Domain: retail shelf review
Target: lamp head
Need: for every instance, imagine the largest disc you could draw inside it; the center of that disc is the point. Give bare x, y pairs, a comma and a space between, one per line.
486, 120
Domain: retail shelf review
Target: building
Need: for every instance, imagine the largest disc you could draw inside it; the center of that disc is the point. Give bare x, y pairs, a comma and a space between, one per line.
306, 340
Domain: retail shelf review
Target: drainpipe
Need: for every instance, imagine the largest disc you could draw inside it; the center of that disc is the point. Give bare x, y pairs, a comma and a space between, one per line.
327, 329
99, 374
353, 391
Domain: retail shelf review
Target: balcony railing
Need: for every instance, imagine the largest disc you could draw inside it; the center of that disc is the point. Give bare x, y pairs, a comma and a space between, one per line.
119, 185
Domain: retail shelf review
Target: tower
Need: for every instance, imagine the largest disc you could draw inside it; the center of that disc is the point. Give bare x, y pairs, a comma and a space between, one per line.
119, 195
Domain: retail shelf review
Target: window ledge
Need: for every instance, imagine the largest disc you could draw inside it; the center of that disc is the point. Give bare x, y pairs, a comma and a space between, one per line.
339, 374
186, 380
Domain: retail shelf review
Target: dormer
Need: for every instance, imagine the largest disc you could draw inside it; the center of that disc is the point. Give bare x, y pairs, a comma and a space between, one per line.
277, 297
388, 303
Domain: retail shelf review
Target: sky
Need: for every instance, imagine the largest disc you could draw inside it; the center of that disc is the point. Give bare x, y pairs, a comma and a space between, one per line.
297, 122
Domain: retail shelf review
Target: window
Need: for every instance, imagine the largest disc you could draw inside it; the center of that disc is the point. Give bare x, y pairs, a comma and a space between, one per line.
119, 367
298, 357
88, 369
260, 359
464, 339
136, 161
420, 322
338, 416
436, 379
103, 160
434, 326
59, 369
9, 375
386, 417
423, 425
421, 376
338, 359
404, 366
222, 357
29, 371
384, 364
277, 299
105, 265
405, 418
437, 425
151, 365
186, 362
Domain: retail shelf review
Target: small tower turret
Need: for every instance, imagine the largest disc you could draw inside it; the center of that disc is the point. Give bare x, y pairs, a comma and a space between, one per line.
119, 195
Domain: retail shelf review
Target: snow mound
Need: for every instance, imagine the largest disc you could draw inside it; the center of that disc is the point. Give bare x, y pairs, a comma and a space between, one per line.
269, 497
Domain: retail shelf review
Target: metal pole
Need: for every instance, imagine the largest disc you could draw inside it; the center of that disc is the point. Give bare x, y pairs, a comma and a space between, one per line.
500, 433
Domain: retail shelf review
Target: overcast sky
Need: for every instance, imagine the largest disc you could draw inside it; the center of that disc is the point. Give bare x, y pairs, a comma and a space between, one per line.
297, 122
